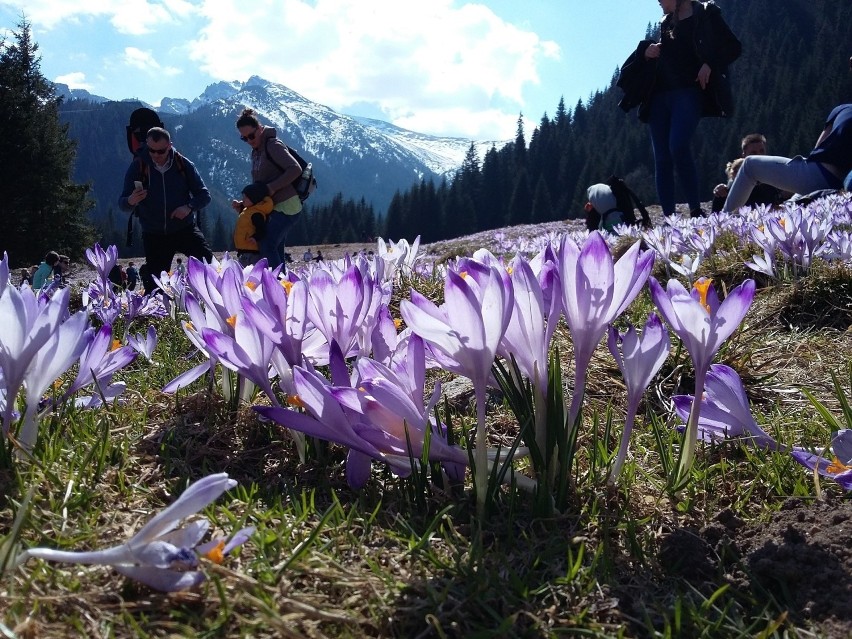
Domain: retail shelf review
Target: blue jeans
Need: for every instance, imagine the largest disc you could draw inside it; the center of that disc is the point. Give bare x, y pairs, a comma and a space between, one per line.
673, 118
795, 175
272, 244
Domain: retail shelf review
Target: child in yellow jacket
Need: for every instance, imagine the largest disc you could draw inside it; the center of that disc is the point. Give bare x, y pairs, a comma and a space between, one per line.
251, 223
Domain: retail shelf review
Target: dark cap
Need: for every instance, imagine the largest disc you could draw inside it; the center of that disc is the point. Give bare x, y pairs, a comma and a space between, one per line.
256, 191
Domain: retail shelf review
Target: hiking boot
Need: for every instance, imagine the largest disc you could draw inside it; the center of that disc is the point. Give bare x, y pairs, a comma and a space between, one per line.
699, 212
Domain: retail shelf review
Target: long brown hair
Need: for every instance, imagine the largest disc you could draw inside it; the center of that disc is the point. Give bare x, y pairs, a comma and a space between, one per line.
675, 18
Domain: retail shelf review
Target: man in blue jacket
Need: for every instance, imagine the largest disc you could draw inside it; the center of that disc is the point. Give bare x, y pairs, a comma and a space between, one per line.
164, 190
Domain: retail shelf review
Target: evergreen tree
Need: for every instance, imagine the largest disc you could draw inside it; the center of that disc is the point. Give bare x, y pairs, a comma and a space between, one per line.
43, 208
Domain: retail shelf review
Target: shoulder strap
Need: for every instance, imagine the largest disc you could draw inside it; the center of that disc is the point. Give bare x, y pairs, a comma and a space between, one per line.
179, 163
269, 157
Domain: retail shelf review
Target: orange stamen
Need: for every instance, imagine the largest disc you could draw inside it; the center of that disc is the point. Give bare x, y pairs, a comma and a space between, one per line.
295, 400
397, 323
287, 284
116, 344
216, 554
232, 321
703, 286
251, 285
836, 467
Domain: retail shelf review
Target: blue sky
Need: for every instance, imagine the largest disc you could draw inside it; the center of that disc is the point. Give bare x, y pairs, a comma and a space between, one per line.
444, 67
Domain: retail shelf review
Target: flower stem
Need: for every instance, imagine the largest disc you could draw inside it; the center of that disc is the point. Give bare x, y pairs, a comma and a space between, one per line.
690, 439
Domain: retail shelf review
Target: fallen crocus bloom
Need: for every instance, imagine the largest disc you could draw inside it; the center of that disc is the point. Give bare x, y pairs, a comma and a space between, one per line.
163, 555
725, 411
839, 467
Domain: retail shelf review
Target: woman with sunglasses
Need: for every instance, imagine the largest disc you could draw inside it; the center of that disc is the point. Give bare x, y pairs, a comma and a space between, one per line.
271, 164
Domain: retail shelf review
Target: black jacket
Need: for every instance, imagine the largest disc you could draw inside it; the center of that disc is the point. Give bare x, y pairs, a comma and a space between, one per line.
715, 44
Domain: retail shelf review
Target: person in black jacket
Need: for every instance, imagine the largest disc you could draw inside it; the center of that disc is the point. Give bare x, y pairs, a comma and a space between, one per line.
689, 82
166, 192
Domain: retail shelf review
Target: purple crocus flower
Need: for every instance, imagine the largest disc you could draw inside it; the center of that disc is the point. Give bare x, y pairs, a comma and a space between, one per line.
248, 352
702, 324
144, 344
29, 324
725, 411
392, 400
340, 308
192, 329
100, 360
50, 361
103, 261
467, 328
596, 290
528, 334
839, 467
333, 414
4, 273
163, 555
639, 359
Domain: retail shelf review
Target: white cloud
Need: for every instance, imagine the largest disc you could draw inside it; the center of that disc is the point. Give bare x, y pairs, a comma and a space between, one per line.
416, 61
147, 63
424, 64
74, 80
129, 17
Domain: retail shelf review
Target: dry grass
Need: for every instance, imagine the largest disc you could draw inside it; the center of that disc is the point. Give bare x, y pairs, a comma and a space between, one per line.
396, 561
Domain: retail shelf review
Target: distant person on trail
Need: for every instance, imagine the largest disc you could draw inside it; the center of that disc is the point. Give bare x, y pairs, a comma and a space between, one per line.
271, 164
25, 277
251, 224
132, 276
307, 256
166, 192
44, 272
825, 167
691, 61
179, 267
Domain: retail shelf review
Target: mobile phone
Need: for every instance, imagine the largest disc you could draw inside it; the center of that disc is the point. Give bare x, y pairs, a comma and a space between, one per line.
137, 184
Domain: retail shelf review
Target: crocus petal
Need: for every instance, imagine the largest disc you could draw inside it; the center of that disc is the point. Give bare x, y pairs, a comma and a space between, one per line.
163, 580
185, 379
198, 495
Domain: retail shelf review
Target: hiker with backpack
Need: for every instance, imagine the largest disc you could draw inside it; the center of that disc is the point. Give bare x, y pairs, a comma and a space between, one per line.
164, 189
274, 166
612, 203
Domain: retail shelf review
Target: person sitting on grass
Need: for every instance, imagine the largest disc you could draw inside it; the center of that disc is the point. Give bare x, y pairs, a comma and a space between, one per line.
825, 167
251, 223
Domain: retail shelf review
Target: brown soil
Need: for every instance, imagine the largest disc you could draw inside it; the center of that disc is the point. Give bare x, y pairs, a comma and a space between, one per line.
802, 557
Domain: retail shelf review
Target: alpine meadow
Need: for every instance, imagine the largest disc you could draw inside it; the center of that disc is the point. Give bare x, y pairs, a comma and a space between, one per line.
472, 417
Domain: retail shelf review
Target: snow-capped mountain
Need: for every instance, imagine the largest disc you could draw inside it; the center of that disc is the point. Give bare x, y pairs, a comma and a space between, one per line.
321, 127
357, 158
63, 90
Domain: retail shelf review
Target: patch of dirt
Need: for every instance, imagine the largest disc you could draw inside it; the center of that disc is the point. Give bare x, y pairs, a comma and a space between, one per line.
802, 557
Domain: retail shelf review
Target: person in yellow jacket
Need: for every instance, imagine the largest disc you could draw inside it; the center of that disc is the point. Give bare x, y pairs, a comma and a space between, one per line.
251, 223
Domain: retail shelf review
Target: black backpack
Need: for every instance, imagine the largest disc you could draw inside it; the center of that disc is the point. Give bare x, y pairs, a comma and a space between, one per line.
141, 121
626, 201
306, 183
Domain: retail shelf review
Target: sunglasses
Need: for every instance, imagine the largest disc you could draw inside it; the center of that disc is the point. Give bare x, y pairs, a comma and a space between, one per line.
158, 151
249, 137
